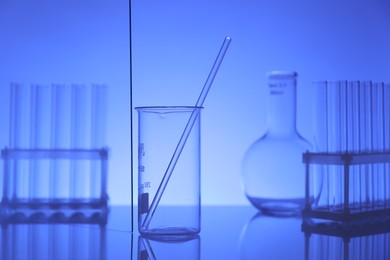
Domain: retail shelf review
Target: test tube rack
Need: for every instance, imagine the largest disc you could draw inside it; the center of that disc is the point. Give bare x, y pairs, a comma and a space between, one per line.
14, 209
347, 210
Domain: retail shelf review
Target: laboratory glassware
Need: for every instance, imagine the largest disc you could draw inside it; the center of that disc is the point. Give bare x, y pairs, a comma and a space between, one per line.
56, 164
186, 132
272, 169
351, 152
160, 129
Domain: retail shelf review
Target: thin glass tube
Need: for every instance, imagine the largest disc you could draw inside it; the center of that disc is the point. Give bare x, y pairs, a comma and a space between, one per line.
98, 137
18, 176
61, 135
335, 141
80, 139
386, 139
321, 128
378, 145
366, 137
41, 132
352, 125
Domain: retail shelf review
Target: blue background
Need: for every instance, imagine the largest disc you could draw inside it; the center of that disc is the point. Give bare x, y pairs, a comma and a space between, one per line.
174, 46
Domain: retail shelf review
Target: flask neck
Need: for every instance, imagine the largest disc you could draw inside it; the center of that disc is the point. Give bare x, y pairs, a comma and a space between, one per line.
282, 106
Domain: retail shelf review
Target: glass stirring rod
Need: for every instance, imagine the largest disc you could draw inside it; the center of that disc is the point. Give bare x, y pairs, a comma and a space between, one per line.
186, 133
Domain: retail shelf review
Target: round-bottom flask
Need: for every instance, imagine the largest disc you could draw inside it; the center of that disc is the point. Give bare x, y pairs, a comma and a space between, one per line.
273, 173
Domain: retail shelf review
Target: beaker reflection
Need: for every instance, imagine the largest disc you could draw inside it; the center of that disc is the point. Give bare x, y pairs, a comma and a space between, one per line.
168, 247
265, 237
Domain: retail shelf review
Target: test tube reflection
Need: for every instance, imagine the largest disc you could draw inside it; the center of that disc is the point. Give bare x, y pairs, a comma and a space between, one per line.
324, 244
52, 241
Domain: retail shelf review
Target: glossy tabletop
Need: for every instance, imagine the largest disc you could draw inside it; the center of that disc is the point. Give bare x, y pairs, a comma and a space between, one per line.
228, 232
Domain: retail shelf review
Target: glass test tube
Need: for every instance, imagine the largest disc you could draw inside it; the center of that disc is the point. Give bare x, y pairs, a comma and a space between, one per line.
61, 126
40, 139
366, 137
321, 141
378, 145
80, 139
335, 141
98, 135
17, 178
386, 140
343, 104
352, 125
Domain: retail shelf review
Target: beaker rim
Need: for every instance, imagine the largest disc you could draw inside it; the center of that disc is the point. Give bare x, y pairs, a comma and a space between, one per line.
167, 107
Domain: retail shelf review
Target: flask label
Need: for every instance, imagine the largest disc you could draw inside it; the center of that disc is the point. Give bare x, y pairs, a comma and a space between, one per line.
277, 89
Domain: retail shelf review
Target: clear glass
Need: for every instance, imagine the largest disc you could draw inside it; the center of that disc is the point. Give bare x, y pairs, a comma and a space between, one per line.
159, 132
348, 242
80, 139
56, 164
40, 139
272, 169
17, 182
53, 241
61, 122
168, 247
386, 129
351, 155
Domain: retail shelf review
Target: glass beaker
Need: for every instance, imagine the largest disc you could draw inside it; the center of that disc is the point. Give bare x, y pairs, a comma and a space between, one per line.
273, 172
178, 206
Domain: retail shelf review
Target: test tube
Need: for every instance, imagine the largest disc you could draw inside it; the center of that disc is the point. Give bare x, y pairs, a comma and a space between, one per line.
343, 102
386, 140
366, 137
80, 139
98, 135
335, 140
321, 129
18, 176
61, 126
378, 145
352, 124
41, 139
320, 119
